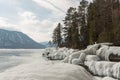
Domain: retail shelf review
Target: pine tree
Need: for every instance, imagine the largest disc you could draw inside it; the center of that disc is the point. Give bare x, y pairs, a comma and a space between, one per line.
68, 29
83, 24
91, 23
57, 38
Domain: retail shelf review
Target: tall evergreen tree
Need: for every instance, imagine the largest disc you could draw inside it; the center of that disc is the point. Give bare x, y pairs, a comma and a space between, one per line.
83, 23
106, 34
68, 22
91, 23
57, 38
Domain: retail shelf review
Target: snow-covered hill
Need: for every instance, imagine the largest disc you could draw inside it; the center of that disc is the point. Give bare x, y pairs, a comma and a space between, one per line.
14, 39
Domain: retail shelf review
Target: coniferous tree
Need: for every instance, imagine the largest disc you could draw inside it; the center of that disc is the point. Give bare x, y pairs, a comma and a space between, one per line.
83, 24
68, 29
88, 24
57, 38
91, 23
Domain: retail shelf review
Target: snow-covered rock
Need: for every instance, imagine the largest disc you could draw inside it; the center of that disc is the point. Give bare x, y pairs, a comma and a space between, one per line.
102, 52
92, 58
74, 56
58, 53
96, 57
105, 51
104, 68
116, 70
79, 60
91, 49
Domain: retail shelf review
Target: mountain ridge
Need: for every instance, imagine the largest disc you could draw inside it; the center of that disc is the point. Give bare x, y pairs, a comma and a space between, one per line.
17, 40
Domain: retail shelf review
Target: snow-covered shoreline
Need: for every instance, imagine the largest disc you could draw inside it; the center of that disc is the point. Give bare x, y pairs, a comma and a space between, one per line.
62, 64
95, 57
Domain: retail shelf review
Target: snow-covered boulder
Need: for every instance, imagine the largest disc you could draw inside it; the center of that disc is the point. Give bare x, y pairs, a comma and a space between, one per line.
79, 60
92, 58
102, 52
57, 53
108, 53
113, 54
91, 49
116, 70
100, 68
74, 55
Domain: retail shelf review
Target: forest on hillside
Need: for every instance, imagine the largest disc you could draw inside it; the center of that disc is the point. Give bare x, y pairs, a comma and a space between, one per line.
89, 23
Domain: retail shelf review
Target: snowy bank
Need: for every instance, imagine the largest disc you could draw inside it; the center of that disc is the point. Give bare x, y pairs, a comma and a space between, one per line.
95, 58
46, 71
57, 53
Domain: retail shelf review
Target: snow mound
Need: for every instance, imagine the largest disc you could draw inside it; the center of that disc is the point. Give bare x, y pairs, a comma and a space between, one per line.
102, 52
116, 70
105, 51
79, 56
104, 68
92, 58
79, 60
91, 49
57, 53
46, 71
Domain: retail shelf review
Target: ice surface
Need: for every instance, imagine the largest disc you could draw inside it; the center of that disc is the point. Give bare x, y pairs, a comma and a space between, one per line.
36, 67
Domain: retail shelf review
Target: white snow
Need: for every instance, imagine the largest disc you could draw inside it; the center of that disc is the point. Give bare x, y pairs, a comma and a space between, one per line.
79, 60
36, 67
45, 70
58, 53
105, 78
102, 52
104, 68
116, 70
109, 78
105, 51
66, 64
92, 58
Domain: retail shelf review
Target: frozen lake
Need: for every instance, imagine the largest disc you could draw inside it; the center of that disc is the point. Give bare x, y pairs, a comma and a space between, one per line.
14, 57
20, 64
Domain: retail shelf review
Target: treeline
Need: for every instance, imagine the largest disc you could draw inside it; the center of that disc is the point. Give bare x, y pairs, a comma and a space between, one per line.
89, 23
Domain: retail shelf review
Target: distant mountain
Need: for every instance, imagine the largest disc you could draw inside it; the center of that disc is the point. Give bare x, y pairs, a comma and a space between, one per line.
46, 44
17, 40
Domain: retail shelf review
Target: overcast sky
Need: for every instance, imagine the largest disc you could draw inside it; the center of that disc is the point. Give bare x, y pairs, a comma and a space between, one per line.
36, 18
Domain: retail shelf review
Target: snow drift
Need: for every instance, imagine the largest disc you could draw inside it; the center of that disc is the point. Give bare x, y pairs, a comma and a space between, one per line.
96, 57
46, 71
104, 68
